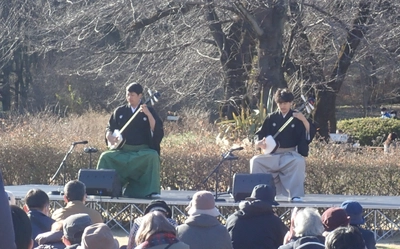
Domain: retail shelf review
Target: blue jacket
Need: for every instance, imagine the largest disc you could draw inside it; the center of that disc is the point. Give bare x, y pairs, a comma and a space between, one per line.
40, 222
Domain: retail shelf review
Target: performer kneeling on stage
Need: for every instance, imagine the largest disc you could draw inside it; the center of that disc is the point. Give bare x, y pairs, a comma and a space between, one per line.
137, 162
286, 164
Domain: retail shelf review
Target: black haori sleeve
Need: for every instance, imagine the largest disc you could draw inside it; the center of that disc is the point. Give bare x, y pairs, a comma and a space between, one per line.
158, 133
305, 139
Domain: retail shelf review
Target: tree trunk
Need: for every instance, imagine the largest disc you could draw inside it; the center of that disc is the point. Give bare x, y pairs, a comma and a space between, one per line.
325, 115
270, 47
6, 90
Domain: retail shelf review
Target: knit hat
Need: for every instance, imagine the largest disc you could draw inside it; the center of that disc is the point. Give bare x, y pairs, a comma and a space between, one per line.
74, 225
265, 193
158, 205
355, 211
333, 218
203, 203
98, 236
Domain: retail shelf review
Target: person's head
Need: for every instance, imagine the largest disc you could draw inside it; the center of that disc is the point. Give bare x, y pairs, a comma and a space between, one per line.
383, 110
22, 228
308, 223
264, 193
153, 222
355, 211
284, 99
37, 199
134, 93
333, 218
158, 205
345, 238
98, 236
202, 203
73, 228
74, 191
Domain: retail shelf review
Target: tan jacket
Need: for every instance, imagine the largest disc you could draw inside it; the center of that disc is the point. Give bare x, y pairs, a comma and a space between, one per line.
76, 207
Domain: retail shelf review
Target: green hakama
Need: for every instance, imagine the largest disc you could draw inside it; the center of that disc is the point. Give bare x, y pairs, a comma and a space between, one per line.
138, 167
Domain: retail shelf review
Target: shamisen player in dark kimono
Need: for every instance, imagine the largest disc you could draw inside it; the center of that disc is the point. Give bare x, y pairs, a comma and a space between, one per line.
137, 162
286, 164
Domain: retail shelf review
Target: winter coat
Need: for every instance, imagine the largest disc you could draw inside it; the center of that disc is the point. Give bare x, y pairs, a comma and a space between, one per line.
204, 231
255, 226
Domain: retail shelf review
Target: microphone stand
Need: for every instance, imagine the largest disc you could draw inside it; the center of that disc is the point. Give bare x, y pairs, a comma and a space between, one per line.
226, 156
62, 166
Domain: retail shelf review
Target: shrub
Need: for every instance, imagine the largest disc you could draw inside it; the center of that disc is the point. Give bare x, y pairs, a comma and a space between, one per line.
369, 131
33, 147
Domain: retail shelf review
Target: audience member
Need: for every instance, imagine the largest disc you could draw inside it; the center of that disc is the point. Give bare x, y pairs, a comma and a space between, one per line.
37, 206
154, 205
255, 224
307, 229
7, 238
75, 197
52, 239
156, 232
345, 238
22, 228
333, 218
384, 113
73, 228
98, 236
202, 228
355, 211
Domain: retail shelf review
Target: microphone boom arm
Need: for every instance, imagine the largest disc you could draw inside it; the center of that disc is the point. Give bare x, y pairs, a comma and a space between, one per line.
62, 165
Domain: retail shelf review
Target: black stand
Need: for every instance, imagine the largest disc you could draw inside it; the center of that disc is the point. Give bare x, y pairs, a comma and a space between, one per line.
62, 166
225, 157
90, 150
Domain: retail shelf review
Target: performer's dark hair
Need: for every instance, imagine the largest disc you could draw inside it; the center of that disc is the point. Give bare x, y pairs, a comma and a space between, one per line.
134, 87
283, 95
36, 199
345, 238
22, 227
75, 190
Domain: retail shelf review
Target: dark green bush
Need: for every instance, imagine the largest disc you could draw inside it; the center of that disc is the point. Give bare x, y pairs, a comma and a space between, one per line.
369, 131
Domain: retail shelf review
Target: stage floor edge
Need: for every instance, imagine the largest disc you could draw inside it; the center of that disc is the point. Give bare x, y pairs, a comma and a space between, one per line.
182, 197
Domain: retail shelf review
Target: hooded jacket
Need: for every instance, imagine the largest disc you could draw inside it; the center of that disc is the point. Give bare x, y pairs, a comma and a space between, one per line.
255, 226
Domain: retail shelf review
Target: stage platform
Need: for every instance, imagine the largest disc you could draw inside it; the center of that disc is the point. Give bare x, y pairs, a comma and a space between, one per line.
381, 212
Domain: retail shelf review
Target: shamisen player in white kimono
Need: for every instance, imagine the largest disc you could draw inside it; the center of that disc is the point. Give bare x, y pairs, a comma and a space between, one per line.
286, 163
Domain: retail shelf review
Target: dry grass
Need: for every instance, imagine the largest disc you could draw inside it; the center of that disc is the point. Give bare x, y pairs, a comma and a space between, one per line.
34, 146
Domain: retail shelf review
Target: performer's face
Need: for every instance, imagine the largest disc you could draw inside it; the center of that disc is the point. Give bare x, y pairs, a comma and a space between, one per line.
133, 98
284, 107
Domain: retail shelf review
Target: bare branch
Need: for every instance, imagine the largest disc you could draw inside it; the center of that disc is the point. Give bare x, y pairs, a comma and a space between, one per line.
181, 8
250, 18
149, 51
343, 25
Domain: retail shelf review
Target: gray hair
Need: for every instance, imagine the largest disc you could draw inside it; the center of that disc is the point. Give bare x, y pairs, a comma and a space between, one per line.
308, 223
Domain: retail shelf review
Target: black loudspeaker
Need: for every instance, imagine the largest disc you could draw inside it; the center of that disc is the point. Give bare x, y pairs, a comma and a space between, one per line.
243, 184
104, 182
